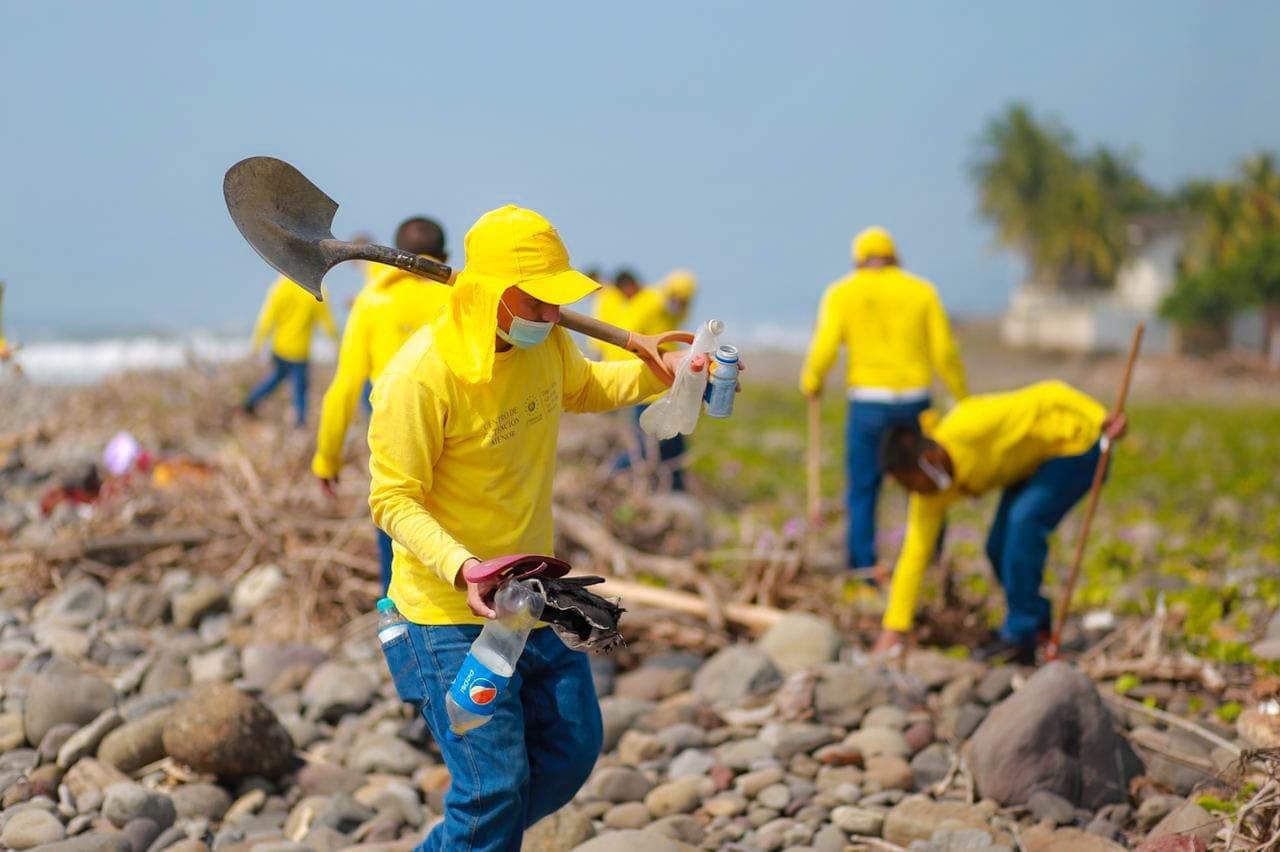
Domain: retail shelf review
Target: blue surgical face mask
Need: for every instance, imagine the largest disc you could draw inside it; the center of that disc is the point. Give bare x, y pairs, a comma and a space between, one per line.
524, 334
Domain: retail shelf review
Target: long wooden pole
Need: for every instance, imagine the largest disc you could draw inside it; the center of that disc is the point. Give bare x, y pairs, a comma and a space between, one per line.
1099, 474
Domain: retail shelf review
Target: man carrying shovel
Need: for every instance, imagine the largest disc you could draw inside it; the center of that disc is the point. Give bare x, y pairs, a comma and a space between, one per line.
1040, 444
463, 444
897, 336
392, 306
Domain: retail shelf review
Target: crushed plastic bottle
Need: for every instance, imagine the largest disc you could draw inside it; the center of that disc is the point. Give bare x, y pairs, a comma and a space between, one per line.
485, 672
677, 412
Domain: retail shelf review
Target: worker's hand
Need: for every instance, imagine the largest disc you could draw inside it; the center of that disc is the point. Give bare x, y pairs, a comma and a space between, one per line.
479, 595
1115, 426
328, 484
888, 642
673, 360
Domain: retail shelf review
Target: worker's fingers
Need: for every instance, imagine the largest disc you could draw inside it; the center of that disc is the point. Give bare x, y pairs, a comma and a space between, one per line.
476, 601
698, 363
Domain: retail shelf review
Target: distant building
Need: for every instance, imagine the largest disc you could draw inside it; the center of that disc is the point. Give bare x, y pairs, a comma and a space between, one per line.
1045, 316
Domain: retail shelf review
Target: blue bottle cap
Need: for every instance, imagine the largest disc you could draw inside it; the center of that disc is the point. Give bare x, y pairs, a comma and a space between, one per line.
386, 605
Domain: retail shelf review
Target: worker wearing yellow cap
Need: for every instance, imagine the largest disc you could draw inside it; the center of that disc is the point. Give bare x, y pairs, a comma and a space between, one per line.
289, 315
653, 310
896, 334
463, 450
392, 305
1041, 446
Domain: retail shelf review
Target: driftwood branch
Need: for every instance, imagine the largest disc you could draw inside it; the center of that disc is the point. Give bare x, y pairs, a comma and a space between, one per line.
755, 617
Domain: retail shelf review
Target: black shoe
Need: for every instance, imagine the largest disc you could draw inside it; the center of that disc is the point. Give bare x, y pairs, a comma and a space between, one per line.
1003, 651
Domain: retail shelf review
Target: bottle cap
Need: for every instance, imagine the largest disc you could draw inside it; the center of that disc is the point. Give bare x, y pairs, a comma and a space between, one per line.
727, 354
386, 605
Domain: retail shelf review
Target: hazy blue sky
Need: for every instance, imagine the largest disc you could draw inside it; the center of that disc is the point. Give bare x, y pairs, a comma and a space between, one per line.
747, 141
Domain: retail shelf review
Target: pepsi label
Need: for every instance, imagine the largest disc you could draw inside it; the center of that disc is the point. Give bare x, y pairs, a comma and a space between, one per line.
476, 687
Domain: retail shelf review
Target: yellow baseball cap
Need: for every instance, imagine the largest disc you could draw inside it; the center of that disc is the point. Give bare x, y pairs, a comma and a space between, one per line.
681, 284
873, 242
519, 247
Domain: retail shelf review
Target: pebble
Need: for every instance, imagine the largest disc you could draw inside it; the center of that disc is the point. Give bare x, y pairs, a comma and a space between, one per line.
627, 815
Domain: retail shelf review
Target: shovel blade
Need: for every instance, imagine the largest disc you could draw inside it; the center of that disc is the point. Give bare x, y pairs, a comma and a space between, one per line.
283, 216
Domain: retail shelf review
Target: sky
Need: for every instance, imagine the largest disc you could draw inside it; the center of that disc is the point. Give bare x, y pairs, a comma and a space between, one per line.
748, 142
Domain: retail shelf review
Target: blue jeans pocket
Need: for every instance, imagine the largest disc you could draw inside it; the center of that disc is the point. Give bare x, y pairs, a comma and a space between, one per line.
402, 661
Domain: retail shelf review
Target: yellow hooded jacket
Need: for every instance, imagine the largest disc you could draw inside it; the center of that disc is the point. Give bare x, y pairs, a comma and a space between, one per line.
289, 315
392, 306
644, 313
994, 441
895, 329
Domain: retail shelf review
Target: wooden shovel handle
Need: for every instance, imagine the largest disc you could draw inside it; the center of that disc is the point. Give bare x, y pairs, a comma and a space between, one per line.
646, 346
400, 259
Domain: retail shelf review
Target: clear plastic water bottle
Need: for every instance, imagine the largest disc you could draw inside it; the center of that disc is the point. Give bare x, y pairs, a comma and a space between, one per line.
485, 672
722, 385
391, 624
677, 412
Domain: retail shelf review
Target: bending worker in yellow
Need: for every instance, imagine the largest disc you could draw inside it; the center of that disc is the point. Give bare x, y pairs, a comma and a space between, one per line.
897, 336
289, 315
1041, 445
387, 311
463, 451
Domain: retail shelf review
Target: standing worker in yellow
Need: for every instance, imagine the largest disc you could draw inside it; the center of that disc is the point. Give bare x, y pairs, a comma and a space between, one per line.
289, 315
896, 334
392, 306
463, 450
650, 310
1041, 445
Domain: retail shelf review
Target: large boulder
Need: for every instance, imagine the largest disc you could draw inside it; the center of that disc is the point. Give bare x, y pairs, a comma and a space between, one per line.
799, 641
1053, 734
228, 733
58, 698
735, 674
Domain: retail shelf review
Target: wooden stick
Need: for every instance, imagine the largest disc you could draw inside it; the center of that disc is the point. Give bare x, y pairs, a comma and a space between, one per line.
814, 464
1099, 474
755, 617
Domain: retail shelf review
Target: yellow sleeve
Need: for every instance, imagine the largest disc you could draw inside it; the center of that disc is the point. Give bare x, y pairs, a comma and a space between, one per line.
824, 347
406, 437
924, 521
343, 395
1079, 420
325, 317
591, 386
943, 350
266, 318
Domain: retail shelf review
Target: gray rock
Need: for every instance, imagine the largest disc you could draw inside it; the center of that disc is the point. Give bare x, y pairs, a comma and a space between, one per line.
145, 705
680, 736
1155, 808
800, 641
1046, 806
889, 771
776, 796
167, 673
690, 762
343, 813
681, 827
59, 699
565, 829
862, 821
22, 759
221, 663
88, 780
395, 800
228, 733
31, 827
829, 839
385, 753
325, 779
1188, 818
266, 664
259, 584
735, 674
80, 604
876, 741
641, 840
1053, 734
168, 838
145, 605
206, 595
674, 797
54, 740
92, 842
1180, 776
618, 784
200, 801
961, 722
788, 739
933, 668
12, 733
743, 754
335, 690
141, 832
996, 685
917, 818
843, 694
135, 744
627, 815
930, 766
652, 683
604, 672
885, 716
126, 801
751, 783
618, 715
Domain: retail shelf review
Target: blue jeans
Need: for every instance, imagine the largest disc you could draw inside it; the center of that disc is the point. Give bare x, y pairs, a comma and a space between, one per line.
1018, 543
865, 427
531, 757
669, 450
281, 369
385, 556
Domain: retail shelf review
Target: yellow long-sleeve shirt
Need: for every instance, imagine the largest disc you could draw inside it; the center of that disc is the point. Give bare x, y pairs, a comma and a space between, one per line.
462, 470
289, 315
994, 441
895, 329
391, 307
